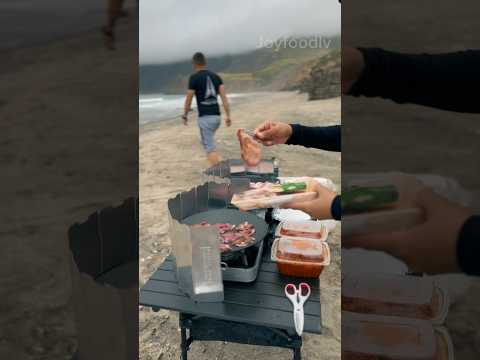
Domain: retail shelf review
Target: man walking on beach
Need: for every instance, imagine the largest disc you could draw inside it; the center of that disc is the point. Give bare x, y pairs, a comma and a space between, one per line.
206, 85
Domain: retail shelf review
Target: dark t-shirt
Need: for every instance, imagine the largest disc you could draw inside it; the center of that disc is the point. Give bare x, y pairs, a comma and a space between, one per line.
206, 84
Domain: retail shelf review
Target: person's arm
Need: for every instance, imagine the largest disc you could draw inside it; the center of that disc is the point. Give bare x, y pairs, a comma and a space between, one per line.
443, 81
336, 208
188, 104
322, 137
468, 246
225, 103
188, 99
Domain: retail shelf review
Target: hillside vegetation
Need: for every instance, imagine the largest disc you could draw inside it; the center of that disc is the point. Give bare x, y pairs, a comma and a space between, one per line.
323, 80
264, 69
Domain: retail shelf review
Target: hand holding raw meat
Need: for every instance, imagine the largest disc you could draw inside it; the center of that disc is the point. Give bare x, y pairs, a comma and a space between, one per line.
250, 149
273, 133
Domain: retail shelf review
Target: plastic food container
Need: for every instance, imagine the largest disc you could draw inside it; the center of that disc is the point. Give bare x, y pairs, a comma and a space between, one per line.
300, 257
395, 295
389, 338
444, 344
302, 229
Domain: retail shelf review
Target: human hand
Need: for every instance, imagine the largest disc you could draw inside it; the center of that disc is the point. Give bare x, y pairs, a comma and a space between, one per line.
228, 121
353, 64
429, 247
318, 208
270, 133
185, 120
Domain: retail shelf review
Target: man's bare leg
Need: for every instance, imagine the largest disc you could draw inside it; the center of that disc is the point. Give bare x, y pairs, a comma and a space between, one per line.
114, 11
213, 158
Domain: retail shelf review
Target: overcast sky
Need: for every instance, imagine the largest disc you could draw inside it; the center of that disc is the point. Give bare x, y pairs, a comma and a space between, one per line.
173, 30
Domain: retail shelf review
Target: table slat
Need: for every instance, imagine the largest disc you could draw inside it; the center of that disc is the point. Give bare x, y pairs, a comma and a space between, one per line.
239, 297
261, 302
263, 276
230, 312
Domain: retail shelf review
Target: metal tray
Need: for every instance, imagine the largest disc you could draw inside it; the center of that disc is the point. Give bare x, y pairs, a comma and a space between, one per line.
245, 275
223, 170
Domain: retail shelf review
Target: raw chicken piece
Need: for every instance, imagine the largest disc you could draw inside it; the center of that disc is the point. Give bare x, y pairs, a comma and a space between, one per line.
250, 149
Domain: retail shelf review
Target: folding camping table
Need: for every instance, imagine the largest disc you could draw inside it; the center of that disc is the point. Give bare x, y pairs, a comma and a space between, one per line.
256, 313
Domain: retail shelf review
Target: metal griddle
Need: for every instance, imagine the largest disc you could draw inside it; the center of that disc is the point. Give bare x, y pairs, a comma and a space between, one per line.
232, 216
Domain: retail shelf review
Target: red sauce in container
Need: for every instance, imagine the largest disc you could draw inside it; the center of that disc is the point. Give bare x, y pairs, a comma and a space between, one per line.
300, 257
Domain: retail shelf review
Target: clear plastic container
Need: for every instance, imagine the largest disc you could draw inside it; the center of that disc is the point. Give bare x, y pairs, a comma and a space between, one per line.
395, 295
306, 250
444, 344
371, 337
300, 257
390, 338
302, 229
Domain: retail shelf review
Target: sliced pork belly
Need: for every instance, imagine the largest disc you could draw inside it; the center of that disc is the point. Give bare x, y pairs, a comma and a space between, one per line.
250, 149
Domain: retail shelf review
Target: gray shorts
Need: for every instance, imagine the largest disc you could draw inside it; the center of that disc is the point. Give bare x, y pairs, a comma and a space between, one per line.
208, 125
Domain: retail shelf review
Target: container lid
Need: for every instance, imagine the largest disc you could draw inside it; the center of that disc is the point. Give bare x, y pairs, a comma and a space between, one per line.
389, 337
306, 250
325, 253
389, 288
305, 229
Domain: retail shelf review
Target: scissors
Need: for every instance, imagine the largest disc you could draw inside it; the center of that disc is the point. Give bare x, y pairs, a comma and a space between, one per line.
298, 297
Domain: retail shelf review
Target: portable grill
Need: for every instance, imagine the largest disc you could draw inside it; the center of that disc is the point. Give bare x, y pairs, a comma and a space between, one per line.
209, 202
234, 217
267, 170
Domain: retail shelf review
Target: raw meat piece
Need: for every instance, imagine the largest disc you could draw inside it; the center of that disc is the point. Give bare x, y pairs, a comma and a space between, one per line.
298, 262
250, 149
266, 194
232, 236
300, 250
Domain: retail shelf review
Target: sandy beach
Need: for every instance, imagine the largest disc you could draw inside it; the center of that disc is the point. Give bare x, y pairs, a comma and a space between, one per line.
60, 162
63, 181
171, 160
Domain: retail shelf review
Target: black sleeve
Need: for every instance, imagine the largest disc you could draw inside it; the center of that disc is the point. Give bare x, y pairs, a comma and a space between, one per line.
445, 81
336, 208
191, 83
468, 246
325, 138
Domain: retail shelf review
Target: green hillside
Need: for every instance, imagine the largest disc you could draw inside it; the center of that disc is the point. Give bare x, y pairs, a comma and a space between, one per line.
261, 69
